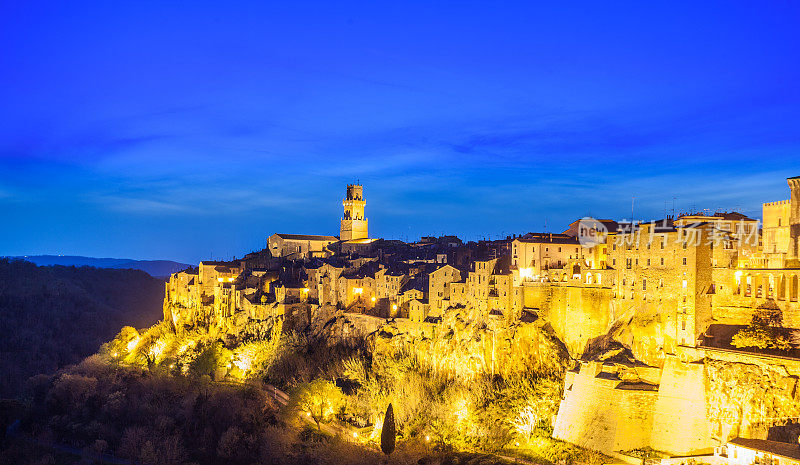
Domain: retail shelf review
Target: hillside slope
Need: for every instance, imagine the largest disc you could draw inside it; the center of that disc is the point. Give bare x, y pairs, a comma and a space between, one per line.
157, 268
54, 316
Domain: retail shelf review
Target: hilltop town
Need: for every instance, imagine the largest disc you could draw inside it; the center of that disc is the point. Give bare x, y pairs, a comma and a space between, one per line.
678, 334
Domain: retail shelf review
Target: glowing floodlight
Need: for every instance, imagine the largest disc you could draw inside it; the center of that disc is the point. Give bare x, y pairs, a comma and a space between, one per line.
526, 273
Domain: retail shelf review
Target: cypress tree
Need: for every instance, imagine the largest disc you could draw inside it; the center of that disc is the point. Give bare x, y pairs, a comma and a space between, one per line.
388, 432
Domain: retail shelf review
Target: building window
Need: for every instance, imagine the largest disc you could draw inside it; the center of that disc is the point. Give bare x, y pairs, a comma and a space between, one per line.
648, 262
644, 284
662, 261
684, 260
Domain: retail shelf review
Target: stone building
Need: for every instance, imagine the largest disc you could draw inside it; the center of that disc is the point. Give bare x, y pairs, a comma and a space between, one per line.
300, 246
439, 286
535, 253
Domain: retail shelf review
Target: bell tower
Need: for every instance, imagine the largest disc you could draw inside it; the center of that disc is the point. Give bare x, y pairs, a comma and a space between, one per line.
354, 224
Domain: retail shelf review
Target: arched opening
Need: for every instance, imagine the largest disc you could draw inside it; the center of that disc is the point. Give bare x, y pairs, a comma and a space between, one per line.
598, 278
793, 287
781, 288
588, 278
748, 288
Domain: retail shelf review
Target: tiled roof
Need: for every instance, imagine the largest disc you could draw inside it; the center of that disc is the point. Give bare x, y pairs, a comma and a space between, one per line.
610, 225
307, 237
784, 449
415, 284
733, 216
542, 238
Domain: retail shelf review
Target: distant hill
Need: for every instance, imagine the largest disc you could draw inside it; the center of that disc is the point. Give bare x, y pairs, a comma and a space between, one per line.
56, 315
157, 268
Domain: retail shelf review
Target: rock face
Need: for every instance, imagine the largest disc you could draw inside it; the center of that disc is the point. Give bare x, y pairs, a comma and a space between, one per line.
750, 399
345, 329
465, 345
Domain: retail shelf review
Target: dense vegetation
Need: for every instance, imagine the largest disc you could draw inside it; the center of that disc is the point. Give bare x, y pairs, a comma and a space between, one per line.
54, 316
348, 387
98, 411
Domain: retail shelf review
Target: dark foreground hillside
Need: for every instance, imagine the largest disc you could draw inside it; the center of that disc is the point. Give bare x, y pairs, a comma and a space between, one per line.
54, 316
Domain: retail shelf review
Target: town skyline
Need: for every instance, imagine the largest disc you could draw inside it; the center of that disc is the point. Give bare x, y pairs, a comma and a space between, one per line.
558, 224
145, 133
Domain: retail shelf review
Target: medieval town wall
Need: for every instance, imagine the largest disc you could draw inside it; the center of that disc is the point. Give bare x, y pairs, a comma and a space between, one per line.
680, 424
599, 412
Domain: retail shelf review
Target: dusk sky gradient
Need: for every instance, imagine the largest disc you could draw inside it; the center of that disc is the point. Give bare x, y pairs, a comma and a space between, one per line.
178, 130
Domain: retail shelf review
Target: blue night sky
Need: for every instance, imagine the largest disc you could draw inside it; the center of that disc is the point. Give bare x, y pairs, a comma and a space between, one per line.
178, 130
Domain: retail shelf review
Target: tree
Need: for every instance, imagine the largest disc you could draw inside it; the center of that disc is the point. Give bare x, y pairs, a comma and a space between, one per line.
764, 332
319, 399
644, 453
388, 432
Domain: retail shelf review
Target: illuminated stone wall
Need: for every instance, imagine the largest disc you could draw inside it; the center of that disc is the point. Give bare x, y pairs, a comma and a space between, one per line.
721, 396
601, 412
680, 425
